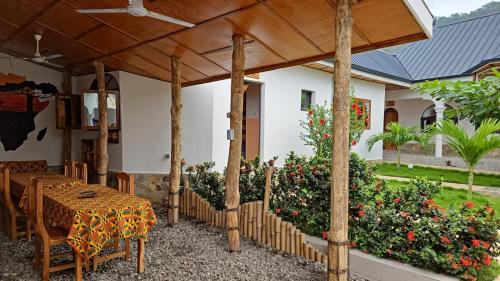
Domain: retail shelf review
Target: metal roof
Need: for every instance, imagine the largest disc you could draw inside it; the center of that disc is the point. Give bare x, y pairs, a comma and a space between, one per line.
455, 50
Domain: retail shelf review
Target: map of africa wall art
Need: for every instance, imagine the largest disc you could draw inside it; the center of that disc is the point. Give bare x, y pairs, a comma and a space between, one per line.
20, 102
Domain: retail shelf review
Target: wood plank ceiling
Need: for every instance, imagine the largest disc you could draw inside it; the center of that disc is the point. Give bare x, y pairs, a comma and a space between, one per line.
278, 33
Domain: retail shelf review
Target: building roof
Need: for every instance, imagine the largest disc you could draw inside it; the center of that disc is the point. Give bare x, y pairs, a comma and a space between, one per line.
455, 50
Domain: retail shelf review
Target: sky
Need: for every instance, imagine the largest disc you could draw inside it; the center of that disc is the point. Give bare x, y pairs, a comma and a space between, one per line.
440, 8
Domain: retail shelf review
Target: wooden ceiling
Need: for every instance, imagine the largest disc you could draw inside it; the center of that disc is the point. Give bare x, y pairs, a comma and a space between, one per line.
278, 33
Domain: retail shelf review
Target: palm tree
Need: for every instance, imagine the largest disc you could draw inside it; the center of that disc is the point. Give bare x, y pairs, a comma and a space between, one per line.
471, 148
398, 135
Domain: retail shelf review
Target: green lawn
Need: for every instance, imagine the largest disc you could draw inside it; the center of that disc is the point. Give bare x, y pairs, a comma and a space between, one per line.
389, 169
449, 196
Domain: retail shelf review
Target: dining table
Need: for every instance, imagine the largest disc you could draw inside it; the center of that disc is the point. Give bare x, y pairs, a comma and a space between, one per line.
92, 222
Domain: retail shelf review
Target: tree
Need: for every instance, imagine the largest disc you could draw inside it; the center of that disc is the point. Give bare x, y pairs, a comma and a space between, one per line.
471, 148
398, 135
486, 9
318, 128
479, 100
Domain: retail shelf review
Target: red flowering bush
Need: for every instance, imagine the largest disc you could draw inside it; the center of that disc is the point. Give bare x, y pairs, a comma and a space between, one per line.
318, 128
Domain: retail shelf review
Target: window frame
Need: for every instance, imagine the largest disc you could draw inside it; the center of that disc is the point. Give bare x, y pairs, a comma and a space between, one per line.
311, 99
363, 110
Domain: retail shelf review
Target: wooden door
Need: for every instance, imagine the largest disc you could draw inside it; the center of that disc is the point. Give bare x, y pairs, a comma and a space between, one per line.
390, 115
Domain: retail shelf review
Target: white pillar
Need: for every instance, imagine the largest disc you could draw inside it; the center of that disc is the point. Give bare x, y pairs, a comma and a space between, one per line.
438, 141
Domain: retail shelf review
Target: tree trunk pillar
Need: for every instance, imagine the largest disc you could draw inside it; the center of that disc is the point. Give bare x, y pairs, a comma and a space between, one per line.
66, 131
232, 196
338, 243
176, 149
102, 97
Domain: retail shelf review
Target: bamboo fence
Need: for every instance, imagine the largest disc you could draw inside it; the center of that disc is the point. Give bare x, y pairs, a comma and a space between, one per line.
255, 223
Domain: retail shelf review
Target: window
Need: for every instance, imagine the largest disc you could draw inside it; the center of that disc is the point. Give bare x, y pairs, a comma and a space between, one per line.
365, 108
429, 116
306, 100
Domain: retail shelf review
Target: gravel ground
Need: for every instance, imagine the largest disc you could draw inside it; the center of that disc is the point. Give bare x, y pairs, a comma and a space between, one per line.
190, 251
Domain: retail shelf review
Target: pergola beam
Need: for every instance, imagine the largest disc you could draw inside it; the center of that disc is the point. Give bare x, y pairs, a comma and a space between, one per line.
232, 198
338, 241
176, 145
102, 98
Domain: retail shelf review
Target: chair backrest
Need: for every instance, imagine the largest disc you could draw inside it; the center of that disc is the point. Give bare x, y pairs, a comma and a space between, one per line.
125, 183
36, 188
5, 187
80, 172
69, 168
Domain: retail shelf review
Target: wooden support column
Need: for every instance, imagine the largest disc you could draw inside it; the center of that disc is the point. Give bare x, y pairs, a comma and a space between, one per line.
232, 196
176, 148
338, 244
102, 97
66, 131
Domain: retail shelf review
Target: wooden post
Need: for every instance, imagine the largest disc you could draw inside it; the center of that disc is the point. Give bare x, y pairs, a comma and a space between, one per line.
66, 131
298, 245
278, 233
250, 220
267, 191
232, 198
283, 236
338, 250
102, 159
259, 221
176, 144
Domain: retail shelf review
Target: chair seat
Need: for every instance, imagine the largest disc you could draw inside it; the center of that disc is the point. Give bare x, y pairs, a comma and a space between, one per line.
57, 235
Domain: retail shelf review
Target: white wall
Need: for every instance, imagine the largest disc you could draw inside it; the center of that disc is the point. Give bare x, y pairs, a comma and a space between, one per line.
50, 148
281, 112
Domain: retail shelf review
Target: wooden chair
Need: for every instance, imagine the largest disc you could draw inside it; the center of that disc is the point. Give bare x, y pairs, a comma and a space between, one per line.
126, 185
80, 172
69, 168
13, 216
46, 237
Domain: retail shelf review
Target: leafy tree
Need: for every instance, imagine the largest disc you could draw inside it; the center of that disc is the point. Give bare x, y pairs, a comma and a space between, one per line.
486, 9
479, 100
398, 135
318, 128
471, 148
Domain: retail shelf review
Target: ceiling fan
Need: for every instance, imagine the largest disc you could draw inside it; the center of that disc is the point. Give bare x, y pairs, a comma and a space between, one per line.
136, 8
38, 58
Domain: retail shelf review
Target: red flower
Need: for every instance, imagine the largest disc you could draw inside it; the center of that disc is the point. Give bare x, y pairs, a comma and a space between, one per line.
358, 112
277, 211
295, 213
310, 123
404, 214
476, 243
322, 122
378, 202
486, 259
354, 142
292, 174
397, 200
471, 229
486, 245
465, 261
355, 106
310, 112
360, 206
455, 265
361, 213
326, 136
411, 236
324, 234
445, 240
489, 209
428, 202
469, 204
435, 218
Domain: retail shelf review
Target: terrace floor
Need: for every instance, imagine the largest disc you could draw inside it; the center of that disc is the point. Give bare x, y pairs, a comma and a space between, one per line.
190, 251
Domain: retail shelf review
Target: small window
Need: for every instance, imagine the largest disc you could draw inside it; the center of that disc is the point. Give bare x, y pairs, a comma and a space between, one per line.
306, 100
429, 116
365, 108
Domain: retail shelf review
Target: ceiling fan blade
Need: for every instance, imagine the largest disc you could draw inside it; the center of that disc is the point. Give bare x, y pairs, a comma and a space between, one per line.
169, 19
54, 56
102, 11
52, 64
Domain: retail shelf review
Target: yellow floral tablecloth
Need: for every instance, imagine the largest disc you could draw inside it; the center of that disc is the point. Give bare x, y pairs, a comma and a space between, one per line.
93, 222
19, 183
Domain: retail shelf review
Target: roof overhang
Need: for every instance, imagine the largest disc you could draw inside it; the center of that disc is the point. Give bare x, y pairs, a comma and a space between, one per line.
279, 33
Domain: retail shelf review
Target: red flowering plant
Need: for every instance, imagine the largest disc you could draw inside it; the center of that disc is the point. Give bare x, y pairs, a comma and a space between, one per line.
407, 225
318, 128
